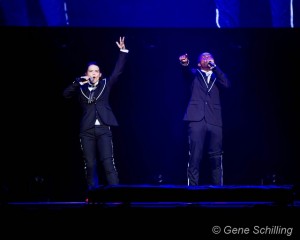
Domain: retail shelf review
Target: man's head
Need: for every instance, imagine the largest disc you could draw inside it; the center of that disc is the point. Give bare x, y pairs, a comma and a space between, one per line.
204, 59
93, 72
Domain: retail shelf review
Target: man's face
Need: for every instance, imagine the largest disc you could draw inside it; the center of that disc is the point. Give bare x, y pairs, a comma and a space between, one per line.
204, 59
94, 72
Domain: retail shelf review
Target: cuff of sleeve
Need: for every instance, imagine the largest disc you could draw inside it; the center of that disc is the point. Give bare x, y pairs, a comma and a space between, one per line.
124, 50
185, 63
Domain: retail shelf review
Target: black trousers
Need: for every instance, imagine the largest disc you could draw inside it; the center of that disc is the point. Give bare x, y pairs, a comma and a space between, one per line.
205, 140
97, 147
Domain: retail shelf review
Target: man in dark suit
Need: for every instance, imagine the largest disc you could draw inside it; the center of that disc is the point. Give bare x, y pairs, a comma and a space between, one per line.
95, 134
204, 118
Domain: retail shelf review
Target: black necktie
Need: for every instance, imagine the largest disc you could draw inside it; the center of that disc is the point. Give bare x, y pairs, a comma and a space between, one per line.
91, 96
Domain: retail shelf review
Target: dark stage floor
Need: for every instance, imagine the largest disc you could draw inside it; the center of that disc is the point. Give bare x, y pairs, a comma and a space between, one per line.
141, 219
151, 219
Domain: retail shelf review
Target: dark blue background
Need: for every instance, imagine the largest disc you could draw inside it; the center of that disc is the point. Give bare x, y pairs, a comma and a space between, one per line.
41, 155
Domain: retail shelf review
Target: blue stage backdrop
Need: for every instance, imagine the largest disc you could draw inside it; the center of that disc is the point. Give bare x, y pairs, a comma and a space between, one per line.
154, 13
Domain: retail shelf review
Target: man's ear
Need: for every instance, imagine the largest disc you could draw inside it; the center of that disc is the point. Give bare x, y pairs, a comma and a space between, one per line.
199, 64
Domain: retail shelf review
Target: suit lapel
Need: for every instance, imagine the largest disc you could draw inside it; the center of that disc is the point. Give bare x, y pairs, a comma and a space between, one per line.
203, 78
100, 88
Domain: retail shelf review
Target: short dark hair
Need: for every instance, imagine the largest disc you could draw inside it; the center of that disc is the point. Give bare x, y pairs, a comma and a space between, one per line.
91, 63
204, 53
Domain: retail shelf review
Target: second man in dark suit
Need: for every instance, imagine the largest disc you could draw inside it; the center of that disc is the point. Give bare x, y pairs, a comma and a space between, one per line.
204, 117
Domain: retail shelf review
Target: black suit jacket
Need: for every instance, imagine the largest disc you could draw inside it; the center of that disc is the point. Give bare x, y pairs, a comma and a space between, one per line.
100, 107
204, 101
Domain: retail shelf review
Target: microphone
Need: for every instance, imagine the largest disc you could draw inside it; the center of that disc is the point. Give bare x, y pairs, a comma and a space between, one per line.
80, 79
211, 64
91, 81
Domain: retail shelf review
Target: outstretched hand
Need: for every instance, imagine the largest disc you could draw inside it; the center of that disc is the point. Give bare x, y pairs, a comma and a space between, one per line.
121, 43
184, 60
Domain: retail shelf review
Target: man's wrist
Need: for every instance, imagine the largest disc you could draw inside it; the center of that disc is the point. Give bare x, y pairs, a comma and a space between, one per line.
186, 63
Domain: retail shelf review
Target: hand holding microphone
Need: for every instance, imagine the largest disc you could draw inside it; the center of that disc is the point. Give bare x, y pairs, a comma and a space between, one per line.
211, 65
83, 80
